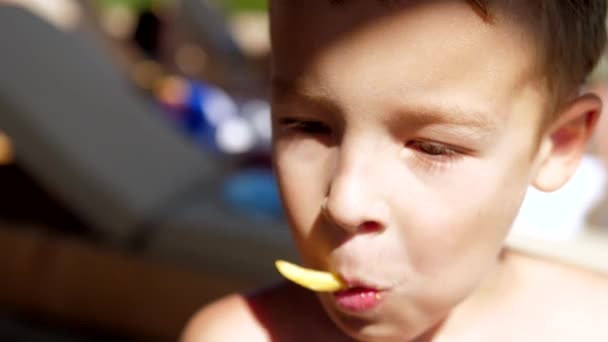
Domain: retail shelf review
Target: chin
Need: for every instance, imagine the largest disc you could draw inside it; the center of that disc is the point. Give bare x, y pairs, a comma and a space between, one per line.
374, 326
380, 332
386, 332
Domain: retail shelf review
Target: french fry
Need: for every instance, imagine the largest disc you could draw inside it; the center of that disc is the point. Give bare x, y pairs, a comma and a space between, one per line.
311, 279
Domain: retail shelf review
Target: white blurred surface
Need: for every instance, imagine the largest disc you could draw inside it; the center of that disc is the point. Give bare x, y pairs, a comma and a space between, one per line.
561, 215
554, 225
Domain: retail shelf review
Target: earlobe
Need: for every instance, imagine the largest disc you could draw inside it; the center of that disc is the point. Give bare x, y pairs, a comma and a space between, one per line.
545, 178
565, 141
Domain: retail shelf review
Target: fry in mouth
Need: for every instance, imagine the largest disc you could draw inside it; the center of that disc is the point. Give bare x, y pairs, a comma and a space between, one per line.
311, 279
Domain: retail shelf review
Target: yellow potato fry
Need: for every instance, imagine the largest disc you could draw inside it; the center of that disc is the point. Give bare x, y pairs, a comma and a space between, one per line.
313, 280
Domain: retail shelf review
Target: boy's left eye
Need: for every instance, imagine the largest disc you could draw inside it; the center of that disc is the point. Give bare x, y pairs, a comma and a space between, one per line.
432, 148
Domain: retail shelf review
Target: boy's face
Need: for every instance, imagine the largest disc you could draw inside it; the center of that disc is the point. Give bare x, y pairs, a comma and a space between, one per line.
417, 125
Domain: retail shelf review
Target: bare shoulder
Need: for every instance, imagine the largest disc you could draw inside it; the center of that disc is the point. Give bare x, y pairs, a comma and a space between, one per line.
569, 283
284, 312
227, 319
572, 301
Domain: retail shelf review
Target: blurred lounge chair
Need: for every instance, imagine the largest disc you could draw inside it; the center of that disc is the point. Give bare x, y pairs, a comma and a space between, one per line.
81, 130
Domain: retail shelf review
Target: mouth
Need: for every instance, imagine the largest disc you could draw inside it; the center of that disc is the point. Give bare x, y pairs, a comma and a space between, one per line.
358, 298
350, 295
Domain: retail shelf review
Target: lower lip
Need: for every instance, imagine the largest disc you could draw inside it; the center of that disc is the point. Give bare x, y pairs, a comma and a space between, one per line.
357, 299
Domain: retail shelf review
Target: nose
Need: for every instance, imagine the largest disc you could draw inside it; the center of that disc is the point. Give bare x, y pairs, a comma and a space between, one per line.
354, 203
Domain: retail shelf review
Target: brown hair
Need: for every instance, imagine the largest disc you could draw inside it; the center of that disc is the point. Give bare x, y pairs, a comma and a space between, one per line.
571, 37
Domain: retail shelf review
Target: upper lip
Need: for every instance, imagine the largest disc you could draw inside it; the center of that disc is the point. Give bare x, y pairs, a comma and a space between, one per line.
353, 282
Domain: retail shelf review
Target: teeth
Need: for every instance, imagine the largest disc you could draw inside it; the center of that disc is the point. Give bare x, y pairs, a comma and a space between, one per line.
369, 294
310, 279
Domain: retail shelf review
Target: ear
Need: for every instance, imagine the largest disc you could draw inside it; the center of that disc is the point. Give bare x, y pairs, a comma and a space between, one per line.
565, 142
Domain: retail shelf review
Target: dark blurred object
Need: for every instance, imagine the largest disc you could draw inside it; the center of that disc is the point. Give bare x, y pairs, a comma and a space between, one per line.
69, 283
147, 33
14, 327
80, 130
21, 196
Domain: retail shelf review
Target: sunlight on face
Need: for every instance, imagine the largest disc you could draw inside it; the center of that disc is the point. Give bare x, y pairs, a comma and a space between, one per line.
416, 124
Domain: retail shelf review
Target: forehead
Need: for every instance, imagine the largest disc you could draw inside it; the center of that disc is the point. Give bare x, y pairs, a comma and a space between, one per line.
402, 51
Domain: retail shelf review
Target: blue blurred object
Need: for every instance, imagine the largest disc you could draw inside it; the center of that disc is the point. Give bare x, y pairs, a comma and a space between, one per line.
254, 193
194, 120
197, 109
213, 119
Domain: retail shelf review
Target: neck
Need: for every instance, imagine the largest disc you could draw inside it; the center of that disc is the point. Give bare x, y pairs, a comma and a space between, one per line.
491, 291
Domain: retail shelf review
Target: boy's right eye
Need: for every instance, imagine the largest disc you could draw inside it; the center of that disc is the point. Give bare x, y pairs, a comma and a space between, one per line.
305, 126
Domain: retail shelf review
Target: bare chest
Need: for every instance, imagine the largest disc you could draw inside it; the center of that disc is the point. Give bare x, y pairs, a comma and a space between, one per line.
553, 316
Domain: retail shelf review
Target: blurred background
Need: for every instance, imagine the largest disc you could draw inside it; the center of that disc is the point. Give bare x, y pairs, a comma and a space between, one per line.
135, 173
135, 168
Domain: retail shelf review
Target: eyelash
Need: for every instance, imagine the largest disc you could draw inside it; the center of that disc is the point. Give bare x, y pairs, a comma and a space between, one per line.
432, 149
433, 154
430, 154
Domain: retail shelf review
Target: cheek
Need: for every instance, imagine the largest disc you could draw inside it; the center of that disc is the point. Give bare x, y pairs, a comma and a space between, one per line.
300, 170
459, 237
465, 219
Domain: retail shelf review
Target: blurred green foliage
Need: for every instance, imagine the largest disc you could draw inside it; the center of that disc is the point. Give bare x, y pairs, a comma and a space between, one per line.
137, 5
233, 6
230, 6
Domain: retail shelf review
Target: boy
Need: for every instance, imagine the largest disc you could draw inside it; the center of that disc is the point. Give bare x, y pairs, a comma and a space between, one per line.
406, 133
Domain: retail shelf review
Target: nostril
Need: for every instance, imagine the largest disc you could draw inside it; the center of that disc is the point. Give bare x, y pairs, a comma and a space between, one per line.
370, 227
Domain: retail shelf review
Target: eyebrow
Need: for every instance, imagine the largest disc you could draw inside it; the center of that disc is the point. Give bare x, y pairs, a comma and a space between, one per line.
478, 5
284, 91
449, 114
467, 120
